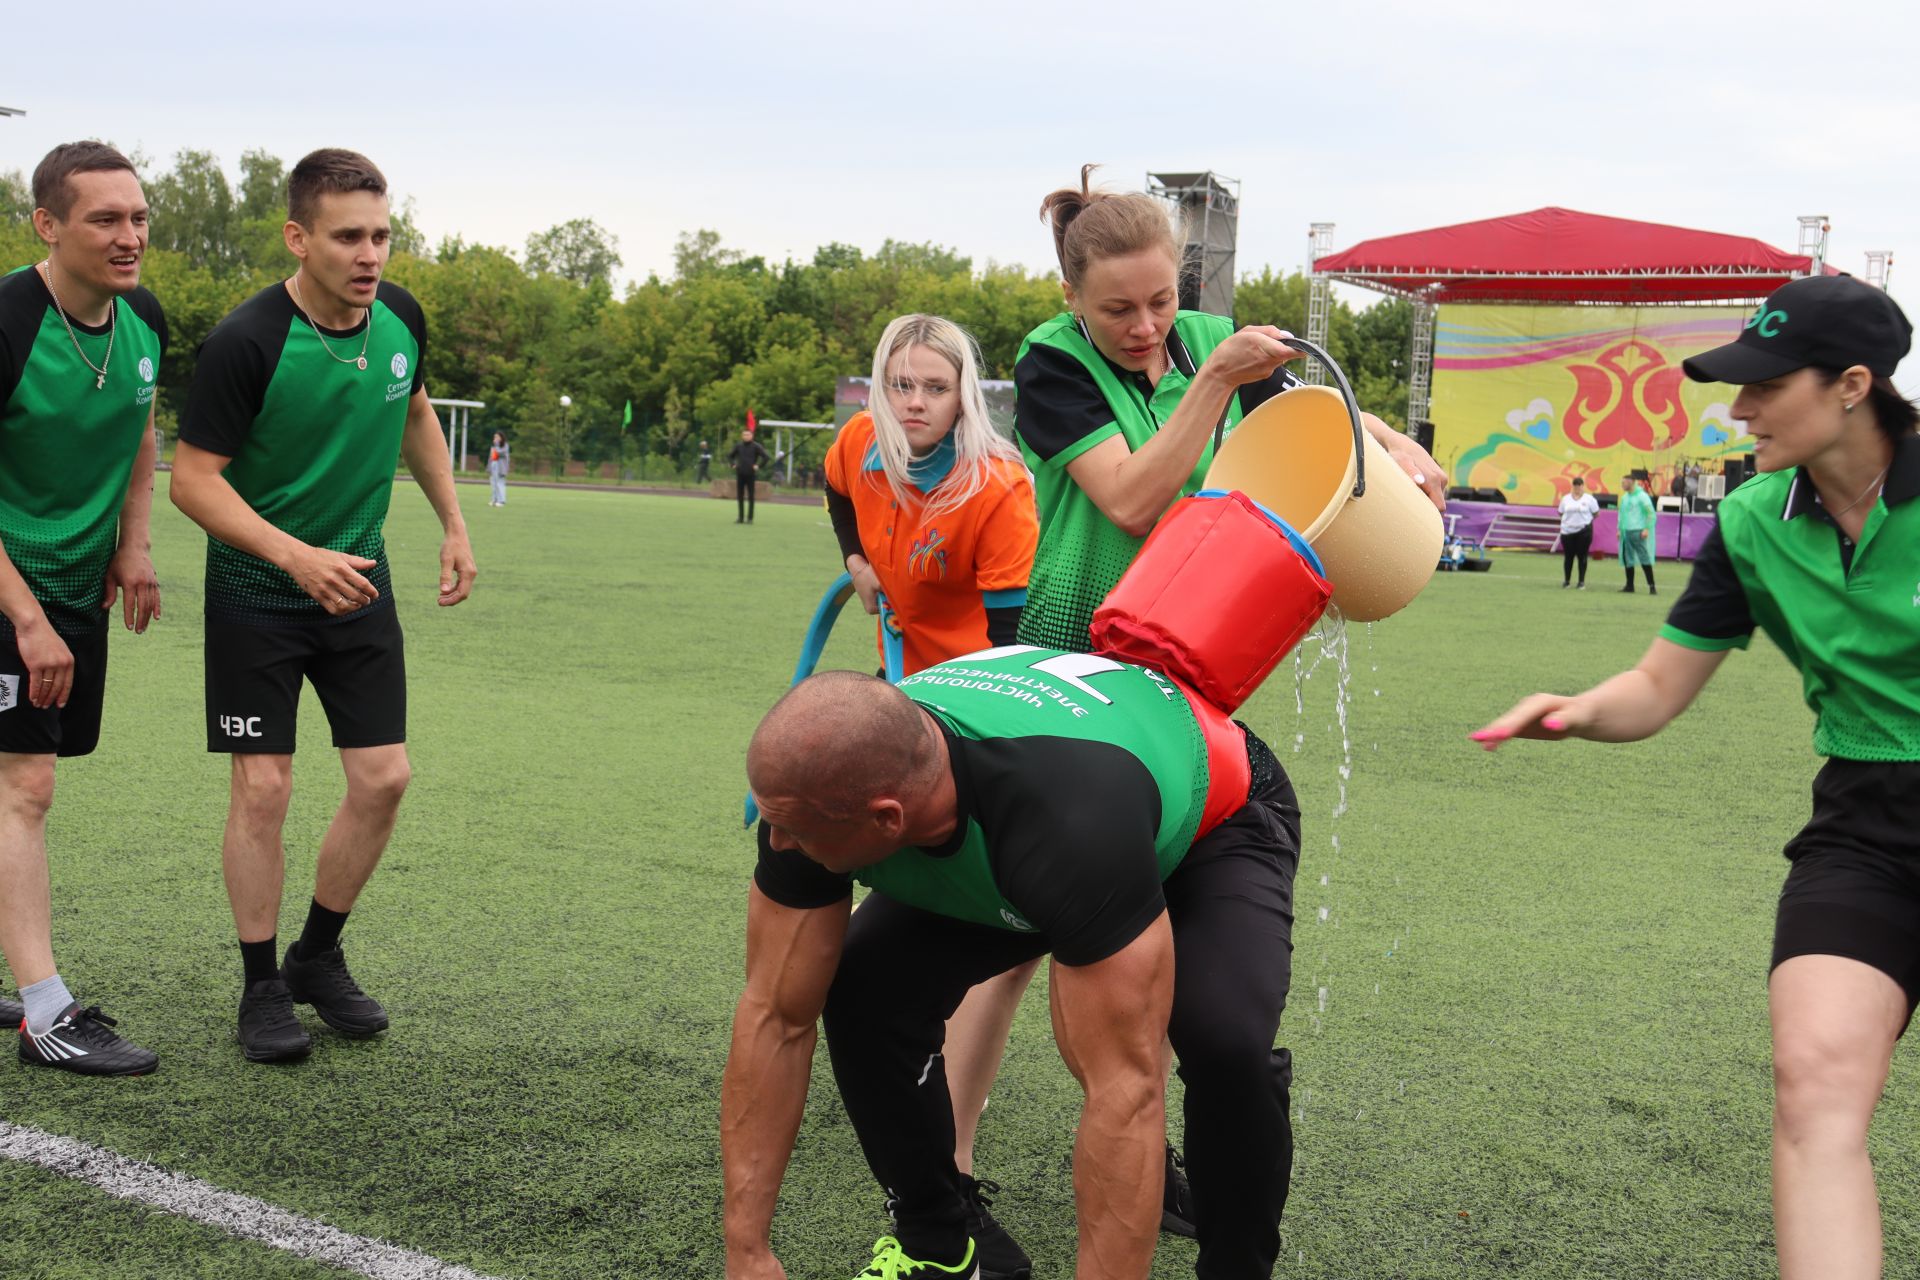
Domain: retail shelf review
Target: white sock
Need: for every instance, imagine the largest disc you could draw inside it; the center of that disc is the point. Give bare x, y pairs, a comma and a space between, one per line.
46, 1001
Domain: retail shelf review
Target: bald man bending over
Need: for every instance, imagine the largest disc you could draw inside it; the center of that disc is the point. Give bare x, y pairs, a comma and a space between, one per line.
1003, 806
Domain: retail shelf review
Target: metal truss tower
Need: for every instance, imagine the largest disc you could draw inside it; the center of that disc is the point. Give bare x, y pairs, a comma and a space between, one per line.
1207, 207
1814, 228
1879, 267
1420, 375
1319, 298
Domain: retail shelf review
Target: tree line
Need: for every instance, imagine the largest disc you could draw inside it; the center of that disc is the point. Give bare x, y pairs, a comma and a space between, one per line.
691, 352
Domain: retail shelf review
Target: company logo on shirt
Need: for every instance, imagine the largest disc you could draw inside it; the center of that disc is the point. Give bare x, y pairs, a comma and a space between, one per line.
927, 557
146, 369
1015, 921
399, 364
9, 692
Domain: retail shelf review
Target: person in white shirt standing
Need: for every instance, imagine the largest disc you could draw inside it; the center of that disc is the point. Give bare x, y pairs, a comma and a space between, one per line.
1577, 511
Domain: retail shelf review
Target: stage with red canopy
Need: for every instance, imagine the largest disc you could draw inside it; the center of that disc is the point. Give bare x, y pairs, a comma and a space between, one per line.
1561, 256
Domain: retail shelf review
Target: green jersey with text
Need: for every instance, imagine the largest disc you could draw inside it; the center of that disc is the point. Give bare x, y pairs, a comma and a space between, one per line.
1024, 693
68, 439
314, 439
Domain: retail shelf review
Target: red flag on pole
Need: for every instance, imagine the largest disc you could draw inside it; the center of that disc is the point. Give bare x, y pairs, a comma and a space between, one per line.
752, 426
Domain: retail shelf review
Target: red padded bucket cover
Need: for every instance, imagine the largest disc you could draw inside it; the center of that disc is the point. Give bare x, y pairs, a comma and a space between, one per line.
1216, 598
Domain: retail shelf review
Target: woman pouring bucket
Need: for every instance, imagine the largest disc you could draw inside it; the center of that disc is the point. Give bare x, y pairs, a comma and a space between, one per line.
1120, 399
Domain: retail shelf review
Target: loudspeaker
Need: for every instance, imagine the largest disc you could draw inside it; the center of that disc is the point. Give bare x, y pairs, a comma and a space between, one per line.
1490, 495
1422, 434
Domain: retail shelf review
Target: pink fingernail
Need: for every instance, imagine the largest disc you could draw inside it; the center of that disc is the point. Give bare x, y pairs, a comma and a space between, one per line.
1554, 722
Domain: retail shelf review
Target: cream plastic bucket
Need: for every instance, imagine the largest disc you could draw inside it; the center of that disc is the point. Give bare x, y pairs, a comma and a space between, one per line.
1295, 454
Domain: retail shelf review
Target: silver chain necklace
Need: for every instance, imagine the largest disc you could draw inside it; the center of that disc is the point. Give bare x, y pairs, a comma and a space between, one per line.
1871, 486
314, 324
113, 309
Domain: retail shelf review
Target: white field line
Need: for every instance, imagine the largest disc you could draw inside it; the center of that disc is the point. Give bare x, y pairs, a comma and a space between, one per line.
237, 1215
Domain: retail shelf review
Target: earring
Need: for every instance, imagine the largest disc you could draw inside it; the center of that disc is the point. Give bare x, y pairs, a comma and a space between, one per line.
1849, 408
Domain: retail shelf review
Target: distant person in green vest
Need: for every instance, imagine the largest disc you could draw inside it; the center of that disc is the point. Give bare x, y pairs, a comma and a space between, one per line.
1822, 551
304, 400
1636, 525
80, 349
1118, 397
1002, 806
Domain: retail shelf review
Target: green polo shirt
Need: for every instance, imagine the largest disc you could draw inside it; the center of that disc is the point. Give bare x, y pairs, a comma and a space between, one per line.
314, 439
1846, 615
68, 439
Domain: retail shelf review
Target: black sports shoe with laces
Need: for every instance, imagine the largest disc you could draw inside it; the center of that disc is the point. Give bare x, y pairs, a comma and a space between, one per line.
1176, 1206
1000, 1255
322, 981
270, 1031
12, 1013
79, 1041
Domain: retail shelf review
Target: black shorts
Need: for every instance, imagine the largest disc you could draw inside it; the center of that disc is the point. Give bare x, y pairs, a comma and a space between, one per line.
358, 667
1854, 889
72, 730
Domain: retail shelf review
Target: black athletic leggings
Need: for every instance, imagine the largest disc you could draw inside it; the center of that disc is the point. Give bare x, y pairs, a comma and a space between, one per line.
904, 972
743, 494
1574, 545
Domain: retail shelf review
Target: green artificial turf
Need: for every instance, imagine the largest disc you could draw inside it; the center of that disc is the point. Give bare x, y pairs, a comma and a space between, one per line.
1542, 1052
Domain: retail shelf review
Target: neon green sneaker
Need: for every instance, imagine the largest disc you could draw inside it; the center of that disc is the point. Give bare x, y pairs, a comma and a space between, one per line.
890, 1262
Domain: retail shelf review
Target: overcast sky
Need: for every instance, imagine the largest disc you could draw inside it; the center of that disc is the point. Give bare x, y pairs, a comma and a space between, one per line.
784, 126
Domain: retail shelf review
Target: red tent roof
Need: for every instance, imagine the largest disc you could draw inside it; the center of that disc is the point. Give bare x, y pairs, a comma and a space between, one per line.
1555, 255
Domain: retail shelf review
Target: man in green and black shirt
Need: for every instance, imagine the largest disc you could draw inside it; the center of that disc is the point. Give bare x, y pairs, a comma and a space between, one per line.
1009, 804
304, 400
80, 348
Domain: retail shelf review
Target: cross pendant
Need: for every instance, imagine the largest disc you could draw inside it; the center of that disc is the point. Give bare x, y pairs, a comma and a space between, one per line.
100, 382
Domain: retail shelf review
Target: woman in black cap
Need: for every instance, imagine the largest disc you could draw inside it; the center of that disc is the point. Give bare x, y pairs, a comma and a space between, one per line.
1822, 551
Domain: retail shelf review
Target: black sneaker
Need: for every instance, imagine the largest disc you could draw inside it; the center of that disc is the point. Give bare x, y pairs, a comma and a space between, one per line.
1176, 1205
79, 1041
1000, 1255
322, 981
12, 1013
270, 1031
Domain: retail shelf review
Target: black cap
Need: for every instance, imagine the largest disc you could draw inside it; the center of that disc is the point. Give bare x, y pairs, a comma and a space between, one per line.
1836, 321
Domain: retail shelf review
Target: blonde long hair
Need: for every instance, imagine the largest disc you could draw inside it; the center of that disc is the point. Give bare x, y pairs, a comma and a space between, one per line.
975, 443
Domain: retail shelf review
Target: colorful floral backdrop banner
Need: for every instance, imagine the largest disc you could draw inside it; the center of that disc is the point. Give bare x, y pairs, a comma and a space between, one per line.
1527, 398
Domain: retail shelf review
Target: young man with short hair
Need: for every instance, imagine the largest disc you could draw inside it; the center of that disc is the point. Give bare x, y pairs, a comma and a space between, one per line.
305, 398
80, 349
